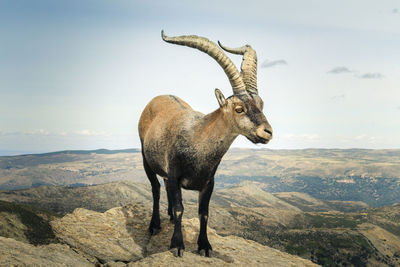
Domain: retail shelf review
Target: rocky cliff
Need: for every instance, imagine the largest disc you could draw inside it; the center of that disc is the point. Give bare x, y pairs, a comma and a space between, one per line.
118, 237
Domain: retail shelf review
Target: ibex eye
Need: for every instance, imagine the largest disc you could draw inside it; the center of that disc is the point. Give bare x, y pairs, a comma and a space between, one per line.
239, 109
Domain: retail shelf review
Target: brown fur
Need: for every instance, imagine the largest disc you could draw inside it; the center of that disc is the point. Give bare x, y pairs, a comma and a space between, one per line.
185, 147
164, 119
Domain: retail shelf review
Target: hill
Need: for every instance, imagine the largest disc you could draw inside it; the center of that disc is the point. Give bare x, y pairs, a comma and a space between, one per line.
26, 224
369, 176
247, 194
70, 168
324, 163
307, 203
63, 200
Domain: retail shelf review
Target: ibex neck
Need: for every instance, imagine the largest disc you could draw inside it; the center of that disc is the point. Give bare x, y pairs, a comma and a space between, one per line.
215, 133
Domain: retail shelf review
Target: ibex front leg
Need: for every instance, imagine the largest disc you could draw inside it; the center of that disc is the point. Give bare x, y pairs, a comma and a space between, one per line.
174, 190
204, 246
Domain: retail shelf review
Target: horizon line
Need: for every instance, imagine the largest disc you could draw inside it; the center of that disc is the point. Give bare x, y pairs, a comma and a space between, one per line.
12, 153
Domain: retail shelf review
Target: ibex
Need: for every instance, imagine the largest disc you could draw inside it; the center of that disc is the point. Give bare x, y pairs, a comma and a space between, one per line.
185, 147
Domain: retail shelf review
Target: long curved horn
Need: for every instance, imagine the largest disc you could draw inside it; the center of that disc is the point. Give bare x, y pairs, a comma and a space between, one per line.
248, 67
210, 48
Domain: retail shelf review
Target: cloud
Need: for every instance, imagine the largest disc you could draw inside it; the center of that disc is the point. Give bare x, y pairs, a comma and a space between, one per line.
395, 10
372, 75
338, 70
273, 63
368, 75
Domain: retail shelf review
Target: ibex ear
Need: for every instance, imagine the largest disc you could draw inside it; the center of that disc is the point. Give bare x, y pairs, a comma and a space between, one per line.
220, 97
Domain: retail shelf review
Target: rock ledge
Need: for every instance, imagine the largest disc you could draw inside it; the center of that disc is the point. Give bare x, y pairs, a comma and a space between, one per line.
119, 237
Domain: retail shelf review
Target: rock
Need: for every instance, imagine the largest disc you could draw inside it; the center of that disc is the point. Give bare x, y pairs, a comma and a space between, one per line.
119, 236
228, 250
17, 253
114, 264
168, 259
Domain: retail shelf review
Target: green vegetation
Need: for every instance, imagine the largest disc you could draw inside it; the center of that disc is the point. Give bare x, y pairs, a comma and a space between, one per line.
327, 238
386, 217
329, 248
329, 220
373, 191
25, 223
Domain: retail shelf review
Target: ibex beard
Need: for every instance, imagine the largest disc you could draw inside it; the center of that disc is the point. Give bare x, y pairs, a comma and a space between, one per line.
185, 147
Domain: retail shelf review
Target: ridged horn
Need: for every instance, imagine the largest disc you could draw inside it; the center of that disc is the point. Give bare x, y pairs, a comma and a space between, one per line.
248, 67
210, 48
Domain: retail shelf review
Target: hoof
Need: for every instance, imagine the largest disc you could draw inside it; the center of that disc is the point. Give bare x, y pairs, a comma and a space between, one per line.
178, 252
204, 247
205, 252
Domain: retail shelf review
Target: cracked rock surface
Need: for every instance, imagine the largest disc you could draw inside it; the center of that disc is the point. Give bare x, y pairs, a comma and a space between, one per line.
17, 253
119, 237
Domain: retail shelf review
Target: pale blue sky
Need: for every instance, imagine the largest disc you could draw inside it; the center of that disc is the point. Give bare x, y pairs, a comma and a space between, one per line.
77, 74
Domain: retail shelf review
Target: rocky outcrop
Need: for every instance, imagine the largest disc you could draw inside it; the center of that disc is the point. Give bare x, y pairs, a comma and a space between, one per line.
119, 237
17, 253
119, 234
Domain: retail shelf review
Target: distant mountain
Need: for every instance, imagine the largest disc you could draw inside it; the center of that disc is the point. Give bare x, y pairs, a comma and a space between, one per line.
63, 200
248, 194
307, 203
370, 176
341, 164
86, 152
17, 152
71, 168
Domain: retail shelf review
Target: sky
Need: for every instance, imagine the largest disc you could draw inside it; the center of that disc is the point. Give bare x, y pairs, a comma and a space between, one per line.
77, 74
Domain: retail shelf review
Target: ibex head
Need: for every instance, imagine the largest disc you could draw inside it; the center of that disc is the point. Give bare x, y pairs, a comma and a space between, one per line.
244, 108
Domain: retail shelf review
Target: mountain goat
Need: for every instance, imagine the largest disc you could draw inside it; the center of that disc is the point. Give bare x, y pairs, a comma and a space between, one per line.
185, 147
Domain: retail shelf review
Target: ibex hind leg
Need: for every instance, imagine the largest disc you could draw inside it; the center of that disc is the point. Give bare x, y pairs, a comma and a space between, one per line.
177, 246
171, 216
155, 225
